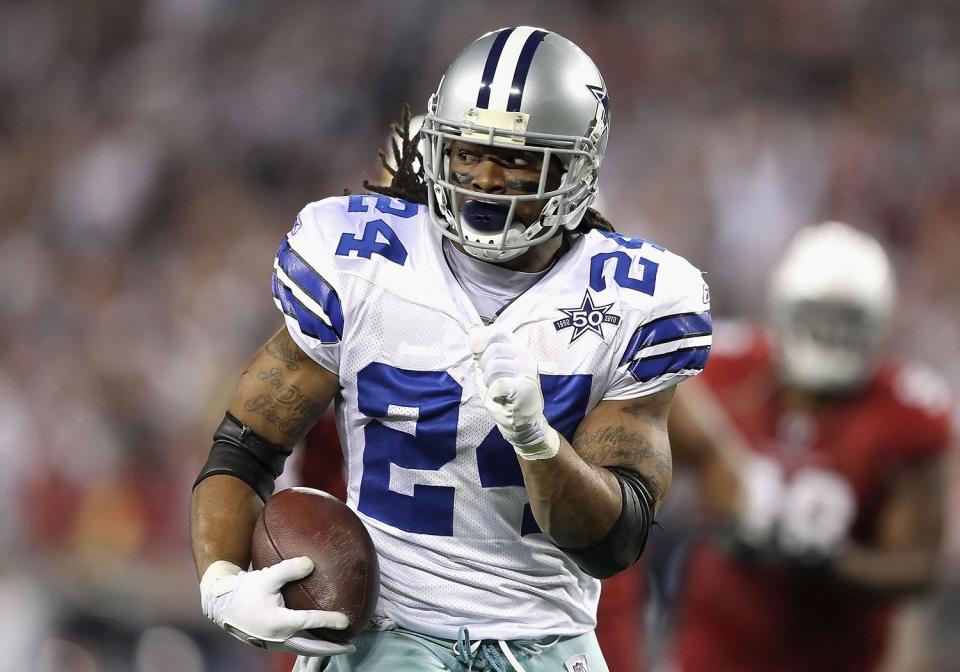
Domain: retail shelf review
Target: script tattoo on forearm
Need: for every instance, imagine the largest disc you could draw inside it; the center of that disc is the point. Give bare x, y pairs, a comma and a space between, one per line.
617, 445
282, 348
283, 405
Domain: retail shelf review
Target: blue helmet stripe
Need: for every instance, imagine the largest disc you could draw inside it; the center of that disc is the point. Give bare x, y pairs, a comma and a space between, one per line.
523, 67
490, 67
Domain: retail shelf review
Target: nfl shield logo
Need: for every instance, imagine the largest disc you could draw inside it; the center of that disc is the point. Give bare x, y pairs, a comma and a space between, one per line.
577, 663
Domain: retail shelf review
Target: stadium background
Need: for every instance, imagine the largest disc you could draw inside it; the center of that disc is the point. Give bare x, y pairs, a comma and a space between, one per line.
153, 153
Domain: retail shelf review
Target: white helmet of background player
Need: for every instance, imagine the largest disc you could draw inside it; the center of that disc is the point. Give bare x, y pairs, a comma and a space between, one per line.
831, 303
517, 88
416, 123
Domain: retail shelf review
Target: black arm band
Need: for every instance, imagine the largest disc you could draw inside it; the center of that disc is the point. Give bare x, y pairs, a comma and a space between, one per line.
624, 543
240, 452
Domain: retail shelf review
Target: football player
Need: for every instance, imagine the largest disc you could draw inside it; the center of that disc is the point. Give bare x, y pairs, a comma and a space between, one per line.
502, 366
619, 620
824, 456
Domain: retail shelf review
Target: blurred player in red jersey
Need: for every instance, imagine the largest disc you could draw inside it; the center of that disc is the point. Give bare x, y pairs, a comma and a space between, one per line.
824, 458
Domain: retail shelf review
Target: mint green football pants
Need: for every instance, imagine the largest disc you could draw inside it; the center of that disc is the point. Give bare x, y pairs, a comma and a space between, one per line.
405, 651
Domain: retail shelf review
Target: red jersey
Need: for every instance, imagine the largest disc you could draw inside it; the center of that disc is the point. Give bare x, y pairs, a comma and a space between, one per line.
741, 616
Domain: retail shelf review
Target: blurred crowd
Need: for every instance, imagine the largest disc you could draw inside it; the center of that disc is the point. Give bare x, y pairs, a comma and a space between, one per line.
154, 152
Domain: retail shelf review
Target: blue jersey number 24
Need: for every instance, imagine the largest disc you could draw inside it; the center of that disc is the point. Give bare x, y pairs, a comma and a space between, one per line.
433, 399
623, 264
377, 238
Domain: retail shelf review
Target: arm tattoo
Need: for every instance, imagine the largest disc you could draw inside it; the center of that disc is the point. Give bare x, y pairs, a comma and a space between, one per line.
282, 348
283, 404
617, 446
651, 414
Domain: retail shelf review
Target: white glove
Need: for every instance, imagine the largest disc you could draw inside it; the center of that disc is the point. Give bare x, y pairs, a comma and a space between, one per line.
761, 496
818, 510
250, 607
510, 389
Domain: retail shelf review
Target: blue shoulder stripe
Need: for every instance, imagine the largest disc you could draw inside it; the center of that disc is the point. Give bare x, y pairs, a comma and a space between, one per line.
281, 296
311, 282
310, 323
666, 329
649, 368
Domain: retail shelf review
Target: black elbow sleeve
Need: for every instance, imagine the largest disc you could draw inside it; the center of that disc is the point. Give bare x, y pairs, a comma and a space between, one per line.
240, 452
625, 542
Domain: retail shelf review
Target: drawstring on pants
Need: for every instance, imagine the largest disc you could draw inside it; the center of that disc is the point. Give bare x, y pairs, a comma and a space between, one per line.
494, 655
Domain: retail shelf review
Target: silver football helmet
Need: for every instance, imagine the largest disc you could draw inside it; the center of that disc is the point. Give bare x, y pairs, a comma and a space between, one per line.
516, 88
416, 123
831, 306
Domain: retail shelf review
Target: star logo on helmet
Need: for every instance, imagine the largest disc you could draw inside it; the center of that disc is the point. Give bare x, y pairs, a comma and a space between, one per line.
587, 317
600, 94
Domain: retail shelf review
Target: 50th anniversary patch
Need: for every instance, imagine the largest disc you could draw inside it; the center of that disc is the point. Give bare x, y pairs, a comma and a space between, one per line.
588, 317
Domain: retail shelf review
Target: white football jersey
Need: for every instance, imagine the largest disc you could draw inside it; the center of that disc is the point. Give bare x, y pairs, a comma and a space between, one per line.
367, 293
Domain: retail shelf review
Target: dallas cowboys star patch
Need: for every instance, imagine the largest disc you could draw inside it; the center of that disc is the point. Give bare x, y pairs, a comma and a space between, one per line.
586, 317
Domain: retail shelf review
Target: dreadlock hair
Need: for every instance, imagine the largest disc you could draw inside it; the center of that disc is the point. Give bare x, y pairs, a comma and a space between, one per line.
592, 219
407, 184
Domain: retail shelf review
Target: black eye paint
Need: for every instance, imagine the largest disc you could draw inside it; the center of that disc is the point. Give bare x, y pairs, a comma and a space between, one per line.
527, 186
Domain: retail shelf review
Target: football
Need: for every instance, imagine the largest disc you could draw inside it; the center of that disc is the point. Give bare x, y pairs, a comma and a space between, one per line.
346, 576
